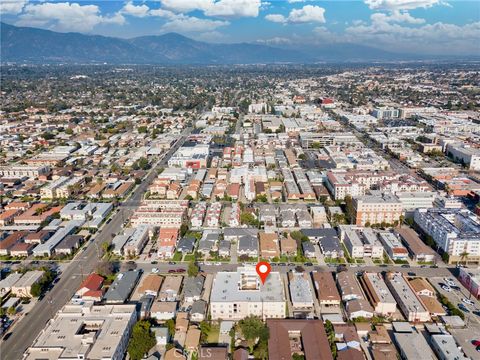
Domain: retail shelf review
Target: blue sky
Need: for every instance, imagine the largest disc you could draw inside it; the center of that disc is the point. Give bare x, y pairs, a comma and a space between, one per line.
417, 26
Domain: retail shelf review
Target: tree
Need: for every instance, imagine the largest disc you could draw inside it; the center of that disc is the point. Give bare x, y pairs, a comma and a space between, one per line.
141, 340
205, 329
142, 129
170, 324
47, 136
261, 350
253, 330
247, 218
192, 269
11, 311
36, 290
3, 312
105, 247
105, 268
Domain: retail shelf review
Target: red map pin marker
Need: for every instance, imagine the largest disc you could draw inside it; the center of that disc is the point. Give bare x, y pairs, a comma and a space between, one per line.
263, 269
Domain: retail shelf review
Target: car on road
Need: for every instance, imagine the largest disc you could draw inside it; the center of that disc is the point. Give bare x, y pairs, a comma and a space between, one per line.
455, 287
449, 281
463, 308
282, 264
155, 271
446, 288
405, 266
131, 262
291, 264
468, 301
171, 263
154, 262
411, 273
180, 270
308, 264
476, 312
171, 271
383, 265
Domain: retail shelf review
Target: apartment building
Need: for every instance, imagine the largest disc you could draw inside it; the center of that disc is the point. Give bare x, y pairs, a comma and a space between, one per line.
407, 301
327, 292
379, 294
361, 242
236, 295
300, 293
137, 241
85, 331
393, 245
455, 231
373, 209
21, 171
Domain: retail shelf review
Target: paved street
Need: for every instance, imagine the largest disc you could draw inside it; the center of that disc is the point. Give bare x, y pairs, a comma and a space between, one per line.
84, 263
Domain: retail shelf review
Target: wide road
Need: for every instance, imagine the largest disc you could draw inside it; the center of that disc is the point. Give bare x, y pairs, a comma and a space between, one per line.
25, 332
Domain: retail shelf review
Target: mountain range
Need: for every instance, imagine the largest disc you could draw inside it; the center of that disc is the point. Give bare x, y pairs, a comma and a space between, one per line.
32, 45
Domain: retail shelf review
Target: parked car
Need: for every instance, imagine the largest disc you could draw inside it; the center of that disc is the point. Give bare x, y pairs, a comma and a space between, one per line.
308, 264
154, 262
463, 308
181, 270
155, 271
171, 263
171, 271
447, 288
476, 312
468, 301
411, 273
406, 266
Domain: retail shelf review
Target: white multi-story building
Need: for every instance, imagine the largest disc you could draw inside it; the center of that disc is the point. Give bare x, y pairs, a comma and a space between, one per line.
86, 331
455, 231
465, 155
137, 240
20, 171
378, 294
406, 299
360, 242
236, 295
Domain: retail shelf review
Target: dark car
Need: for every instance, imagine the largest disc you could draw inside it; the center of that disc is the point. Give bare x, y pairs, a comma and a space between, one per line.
171, 263
171, 271
476, 312
181, 270
383, 265
411, 273
308, 264
406, 266
154, 262
463, 308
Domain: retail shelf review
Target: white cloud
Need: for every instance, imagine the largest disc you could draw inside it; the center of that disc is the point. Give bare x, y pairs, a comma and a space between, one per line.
135, 10
66, 16
307, 14
396, 17
276, 18
222, 8
432, 38
400, 4
12, 6
188, 24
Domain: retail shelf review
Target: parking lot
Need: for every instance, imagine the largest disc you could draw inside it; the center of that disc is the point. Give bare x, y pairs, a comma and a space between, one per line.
465, 336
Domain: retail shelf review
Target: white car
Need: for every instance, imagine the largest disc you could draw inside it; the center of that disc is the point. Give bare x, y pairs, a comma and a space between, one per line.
155, 270
468, 301
447, 288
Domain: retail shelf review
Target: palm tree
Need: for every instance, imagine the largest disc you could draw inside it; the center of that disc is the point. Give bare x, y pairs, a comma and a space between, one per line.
463, 256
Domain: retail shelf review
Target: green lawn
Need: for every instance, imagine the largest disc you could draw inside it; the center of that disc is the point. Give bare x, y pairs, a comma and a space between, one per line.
189, 257
177, 256
212, 337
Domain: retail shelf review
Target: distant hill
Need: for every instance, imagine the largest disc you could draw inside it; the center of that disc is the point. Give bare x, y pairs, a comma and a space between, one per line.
25, 44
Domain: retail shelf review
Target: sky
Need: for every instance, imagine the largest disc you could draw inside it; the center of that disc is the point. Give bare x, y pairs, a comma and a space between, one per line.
409, 26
